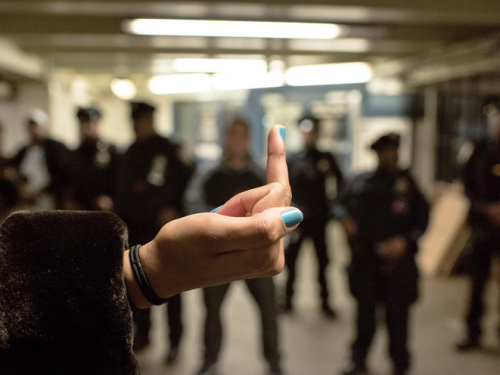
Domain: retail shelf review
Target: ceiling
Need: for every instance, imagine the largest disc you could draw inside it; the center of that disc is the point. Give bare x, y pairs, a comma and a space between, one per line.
86, 36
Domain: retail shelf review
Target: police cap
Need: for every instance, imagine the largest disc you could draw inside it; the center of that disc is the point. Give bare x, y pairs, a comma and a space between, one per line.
387, 140
139, 109
88, 114
38, 117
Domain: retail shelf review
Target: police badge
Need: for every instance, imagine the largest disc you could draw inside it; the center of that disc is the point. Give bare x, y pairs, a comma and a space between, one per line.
156, 175
102, 157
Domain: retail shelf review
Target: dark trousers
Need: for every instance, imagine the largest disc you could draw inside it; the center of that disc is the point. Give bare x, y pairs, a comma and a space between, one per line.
142, 321
396, 317
316, 231
484, 246
262, 291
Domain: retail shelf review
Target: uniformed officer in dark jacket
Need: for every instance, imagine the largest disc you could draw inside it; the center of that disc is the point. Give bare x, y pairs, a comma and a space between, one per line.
309, 171
151, 183
211, 187
383, 214
482, 187
94, 167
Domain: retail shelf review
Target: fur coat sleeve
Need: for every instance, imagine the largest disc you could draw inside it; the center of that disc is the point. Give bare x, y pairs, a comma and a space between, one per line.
63, 301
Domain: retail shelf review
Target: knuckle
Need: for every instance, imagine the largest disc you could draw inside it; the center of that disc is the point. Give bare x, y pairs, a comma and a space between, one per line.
275, 263
288, 195
277, 268
266, 232
284, 190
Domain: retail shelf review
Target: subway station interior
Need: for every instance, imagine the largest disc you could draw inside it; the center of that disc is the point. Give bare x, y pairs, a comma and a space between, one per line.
427, 71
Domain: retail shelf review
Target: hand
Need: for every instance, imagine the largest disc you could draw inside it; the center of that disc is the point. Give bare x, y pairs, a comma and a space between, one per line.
276, 193
70, 205
350, 227
104, 203
28, 197
492, 211
242, 240
394, 248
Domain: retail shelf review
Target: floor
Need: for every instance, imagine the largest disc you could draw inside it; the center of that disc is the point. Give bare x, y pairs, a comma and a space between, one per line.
313, 345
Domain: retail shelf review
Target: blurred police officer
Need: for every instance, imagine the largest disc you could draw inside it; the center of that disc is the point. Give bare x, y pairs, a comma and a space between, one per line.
42, 166
309, 171
9, 193
383, 214
94, 167
212, 187
151, 183
482, 187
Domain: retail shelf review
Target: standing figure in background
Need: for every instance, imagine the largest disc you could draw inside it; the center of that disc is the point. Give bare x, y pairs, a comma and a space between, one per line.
149, 194
94, 167
8, 189
383, 214
211, 188
41, 166
309, 171
482, 187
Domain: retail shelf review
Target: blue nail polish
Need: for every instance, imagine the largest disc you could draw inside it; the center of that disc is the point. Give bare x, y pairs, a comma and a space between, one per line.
283, 133
292, 217
216, 209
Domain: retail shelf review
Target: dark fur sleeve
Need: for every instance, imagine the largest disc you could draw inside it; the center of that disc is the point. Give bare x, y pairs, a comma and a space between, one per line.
63, 302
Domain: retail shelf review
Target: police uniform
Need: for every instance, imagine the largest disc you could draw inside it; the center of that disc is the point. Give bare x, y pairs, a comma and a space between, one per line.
482, 186
152, 176
211, 187
308, 173
384, 205
93, 168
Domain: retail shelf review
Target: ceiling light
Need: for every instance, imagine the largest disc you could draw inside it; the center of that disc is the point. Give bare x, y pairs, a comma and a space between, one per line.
328, 74
389, 86
123, 88
218, 65
247, 81
242, 29
179, 83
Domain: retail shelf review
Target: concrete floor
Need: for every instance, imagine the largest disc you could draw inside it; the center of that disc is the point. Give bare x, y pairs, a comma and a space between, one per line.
313, 345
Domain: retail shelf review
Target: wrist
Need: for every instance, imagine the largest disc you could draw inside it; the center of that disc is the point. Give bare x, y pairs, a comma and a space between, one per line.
151, 265
160, 272
133, 291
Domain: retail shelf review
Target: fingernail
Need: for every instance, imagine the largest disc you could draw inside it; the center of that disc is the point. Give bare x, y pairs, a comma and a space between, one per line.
216, 209
283, 133
292, 217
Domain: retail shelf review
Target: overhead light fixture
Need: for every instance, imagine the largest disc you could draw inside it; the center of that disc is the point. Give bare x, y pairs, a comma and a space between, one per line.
239, 29
219, 65
244, 81
123, 88
179, 83
389, 86
329, 74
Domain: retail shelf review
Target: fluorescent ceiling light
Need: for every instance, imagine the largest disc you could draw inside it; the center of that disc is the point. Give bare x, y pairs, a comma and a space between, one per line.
218, 65
328, 74
179, 83
389, 86
247, 81
242, 29
123, 88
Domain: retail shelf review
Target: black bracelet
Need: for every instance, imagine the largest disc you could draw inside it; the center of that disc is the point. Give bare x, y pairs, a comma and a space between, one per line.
142, 280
